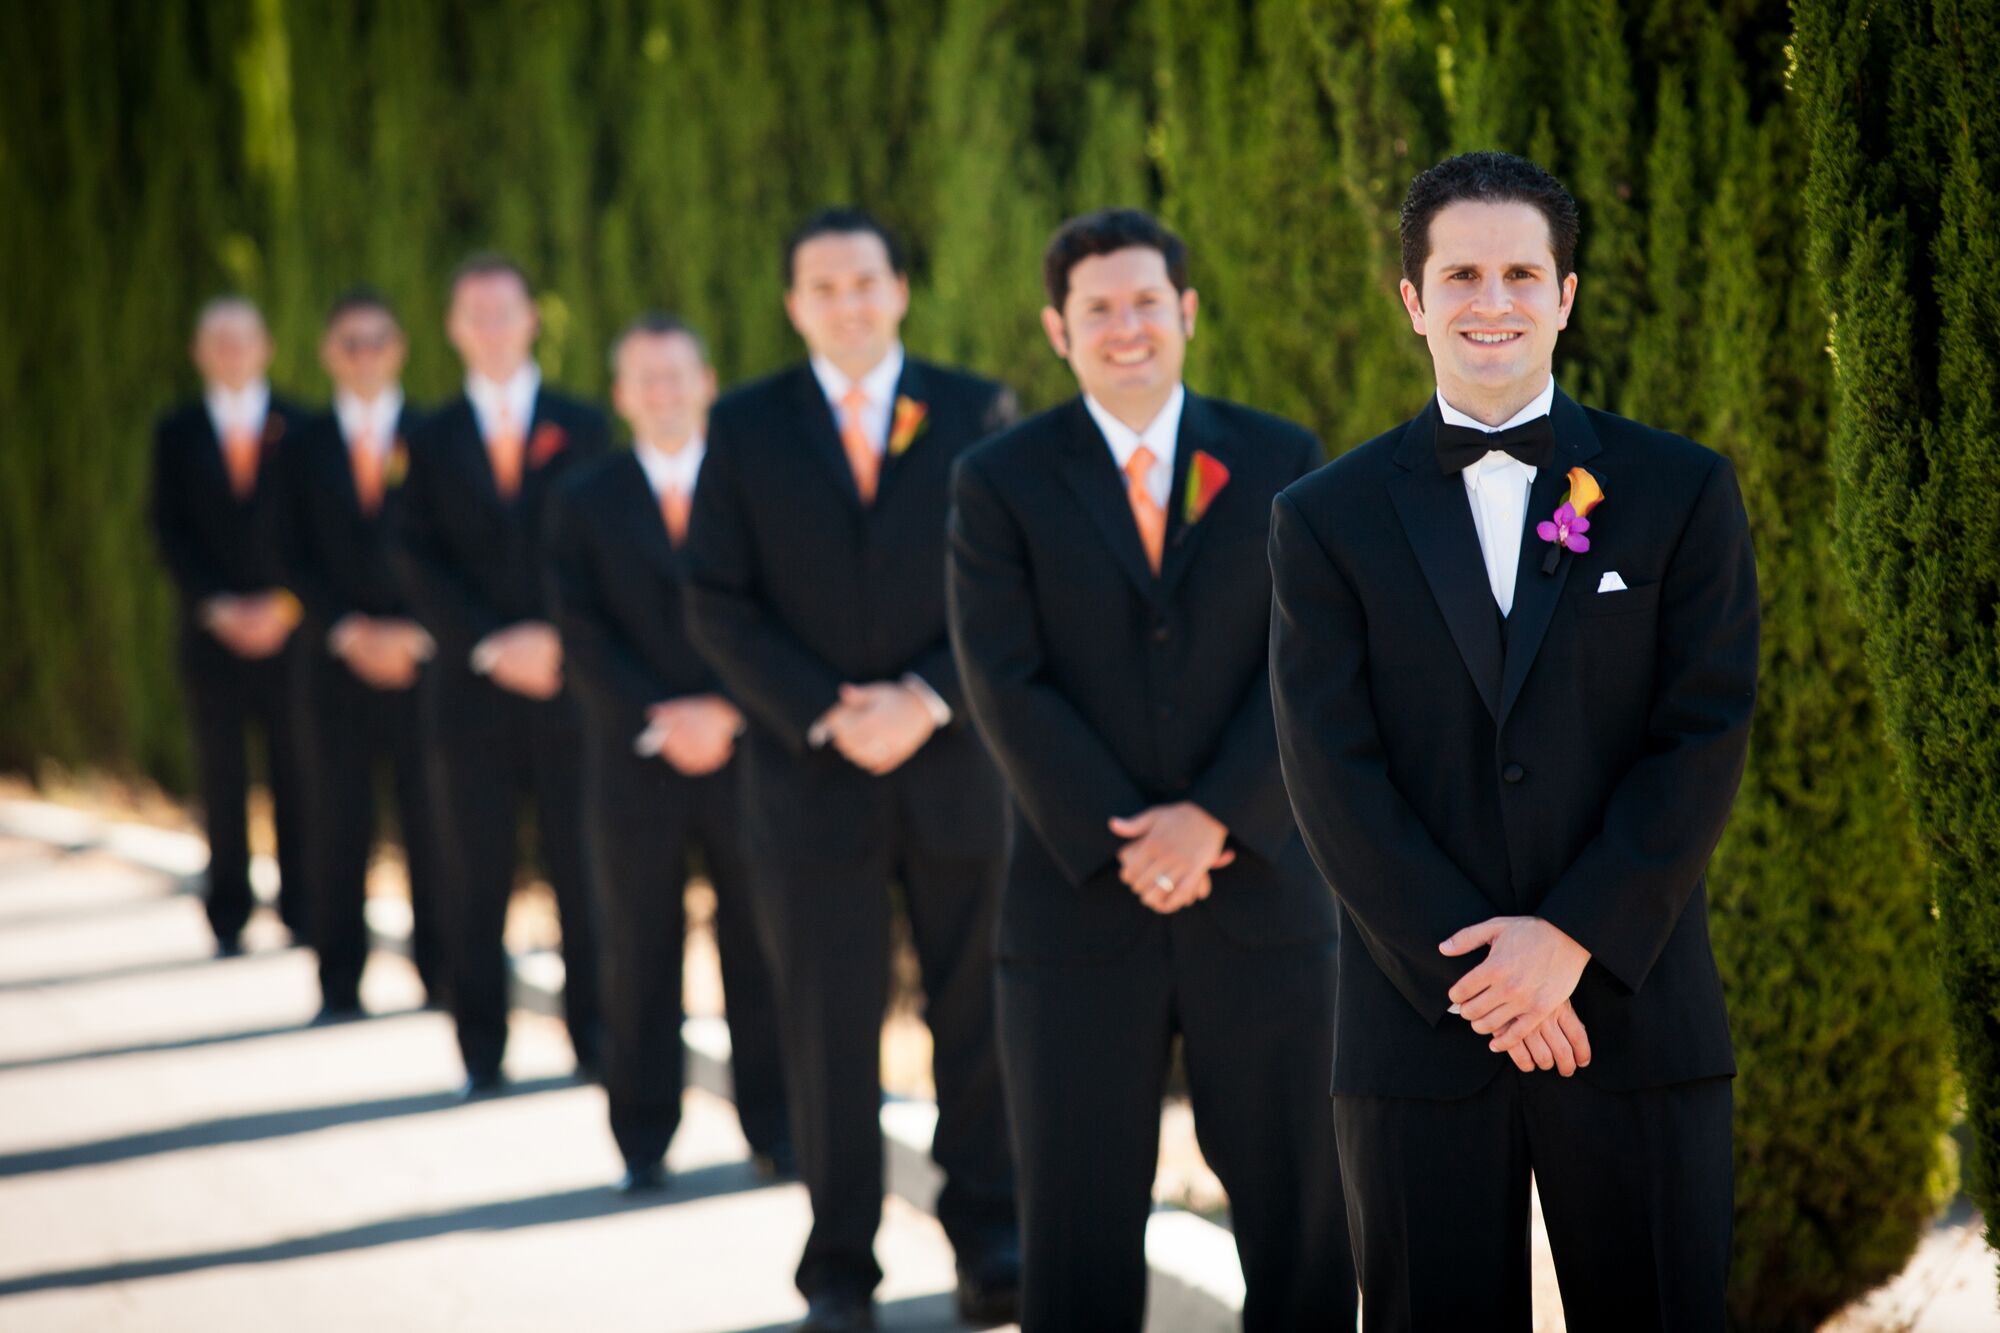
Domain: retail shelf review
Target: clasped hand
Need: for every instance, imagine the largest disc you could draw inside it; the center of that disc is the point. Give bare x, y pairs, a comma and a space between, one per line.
877, 727
524, 658
1519, 993
1170, 852
251, 625
383, 651
697, 732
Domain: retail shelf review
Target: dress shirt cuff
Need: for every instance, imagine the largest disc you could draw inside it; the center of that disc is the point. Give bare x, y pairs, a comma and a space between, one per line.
342, 634
939, 710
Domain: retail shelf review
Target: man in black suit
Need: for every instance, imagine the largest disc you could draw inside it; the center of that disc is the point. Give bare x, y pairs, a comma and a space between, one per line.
361, 652
659, 735
815, 559
1512, 720
212, 517
504, 726
1109, 605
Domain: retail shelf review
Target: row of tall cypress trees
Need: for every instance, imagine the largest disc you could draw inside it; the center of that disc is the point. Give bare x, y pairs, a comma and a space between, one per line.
642, 153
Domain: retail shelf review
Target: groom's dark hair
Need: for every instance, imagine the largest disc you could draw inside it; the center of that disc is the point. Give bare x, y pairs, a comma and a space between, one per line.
1489, 178
1105, 232
842, 220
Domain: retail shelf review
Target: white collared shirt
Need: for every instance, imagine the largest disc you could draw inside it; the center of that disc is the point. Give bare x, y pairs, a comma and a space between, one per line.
1162, 435
373, 421
241, 409
517, 396
880, 386
1497, 488
675, 471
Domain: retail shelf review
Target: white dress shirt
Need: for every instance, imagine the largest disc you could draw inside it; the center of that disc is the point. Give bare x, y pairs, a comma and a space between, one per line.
1161, 435
675, 471
238, 409
517, 396
878, 384
374, 421
1497, 487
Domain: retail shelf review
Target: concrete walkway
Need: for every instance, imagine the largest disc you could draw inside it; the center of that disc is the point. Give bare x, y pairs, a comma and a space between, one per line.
180, 1150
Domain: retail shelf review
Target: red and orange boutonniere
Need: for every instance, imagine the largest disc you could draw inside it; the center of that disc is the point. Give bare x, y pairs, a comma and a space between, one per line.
274, 427
910, 419
1206, 477
398, 466
548, 441
1565, 529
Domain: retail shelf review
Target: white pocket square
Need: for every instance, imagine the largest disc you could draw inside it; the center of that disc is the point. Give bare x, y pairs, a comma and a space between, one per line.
1611, 582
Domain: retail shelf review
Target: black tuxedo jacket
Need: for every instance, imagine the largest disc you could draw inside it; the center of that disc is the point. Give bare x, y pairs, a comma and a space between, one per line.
337, 557
614, 584
470, 562
1579, 768
796, 587
213, 542
1103, 690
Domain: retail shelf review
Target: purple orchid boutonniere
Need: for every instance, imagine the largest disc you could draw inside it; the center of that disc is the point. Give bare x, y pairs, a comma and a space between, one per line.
1565, 530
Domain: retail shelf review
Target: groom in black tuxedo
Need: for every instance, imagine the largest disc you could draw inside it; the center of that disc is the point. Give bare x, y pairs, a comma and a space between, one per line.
816, 587
1514, 649
1110, 609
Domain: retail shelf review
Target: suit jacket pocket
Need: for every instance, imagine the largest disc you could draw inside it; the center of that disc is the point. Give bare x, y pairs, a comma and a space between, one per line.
1625, 601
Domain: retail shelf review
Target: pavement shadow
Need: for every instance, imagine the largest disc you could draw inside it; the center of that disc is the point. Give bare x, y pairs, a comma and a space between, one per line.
134, 971
501, 1215
251, 1128
182, 1043
935, 1313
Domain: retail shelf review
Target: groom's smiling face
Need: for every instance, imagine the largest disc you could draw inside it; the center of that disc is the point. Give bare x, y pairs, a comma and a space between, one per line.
1491, 305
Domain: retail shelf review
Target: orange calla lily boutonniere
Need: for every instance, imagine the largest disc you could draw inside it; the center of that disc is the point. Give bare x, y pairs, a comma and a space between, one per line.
398, 466
1206, 477
910, 420
1564, 531
548, 442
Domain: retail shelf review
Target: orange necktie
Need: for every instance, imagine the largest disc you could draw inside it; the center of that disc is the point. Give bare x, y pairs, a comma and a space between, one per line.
239, 456
1146, 511
676, 504
503, 451
861, 455
367, 465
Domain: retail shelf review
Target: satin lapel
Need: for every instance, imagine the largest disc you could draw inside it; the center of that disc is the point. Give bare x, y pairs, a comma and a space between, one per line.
208, 451
1200, 431
821, 432
641, 515
915, 386
1437, 518
463, 439
336, 464
1536, 593
1088, 470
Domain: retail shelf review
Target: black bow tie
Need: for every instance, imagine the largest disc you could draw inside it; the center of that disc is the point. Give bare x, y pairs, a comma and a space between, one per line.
1459, 447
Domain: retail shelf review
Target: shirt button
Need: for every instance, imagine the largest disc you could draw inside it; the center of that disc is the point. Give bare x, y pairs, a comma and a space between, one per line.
1513, 773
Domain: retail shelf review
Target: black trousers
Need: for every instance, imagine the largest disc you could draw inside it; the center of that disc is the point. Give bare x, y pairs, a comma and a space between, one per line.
229, 696
827, 933
1636, 1191
644, 824
353, 730
1087, 1046
493, 751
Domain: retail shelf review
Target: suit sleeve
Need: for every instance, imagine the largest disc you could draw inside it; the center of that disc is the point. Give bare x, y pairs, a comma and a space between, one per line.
936, 664
1067, 781
172, 525
765, 667
445, 603
1243, 786
596, 658
1627, 889
1397, 886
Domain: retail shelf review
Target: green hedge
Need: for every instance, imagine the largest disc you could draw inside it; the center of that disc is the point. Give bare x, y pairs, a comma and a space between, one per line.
635, 154
1905, 185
